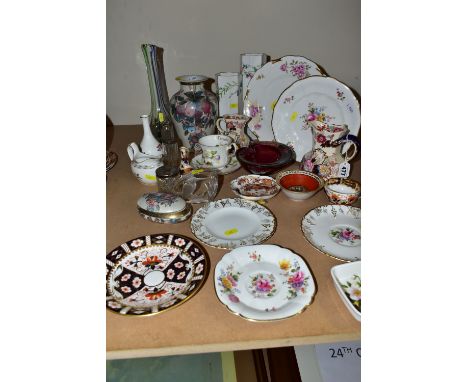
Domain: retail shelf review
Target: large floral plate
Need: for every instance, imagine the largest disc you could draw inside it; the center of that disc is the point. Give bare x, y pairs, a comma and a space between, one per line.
266, 86
232, 223
335, 231
314, 98
154, 273
264, 282
347, 279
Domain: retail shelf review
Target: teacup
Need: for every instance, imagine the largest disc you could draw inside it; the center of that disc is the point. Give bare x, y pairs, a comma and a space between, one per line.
233, 125
342, 191
217, 150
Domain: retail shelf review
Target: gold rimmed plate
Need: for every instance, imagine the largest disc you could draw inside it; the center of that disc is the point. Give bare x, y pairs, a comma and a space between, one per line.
154, 273
232, 223
334, 230
264, 283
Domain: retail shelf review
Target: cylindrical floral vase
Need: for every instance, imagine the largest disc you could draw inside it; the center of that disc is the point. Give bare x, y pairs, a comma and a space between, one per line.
194, 110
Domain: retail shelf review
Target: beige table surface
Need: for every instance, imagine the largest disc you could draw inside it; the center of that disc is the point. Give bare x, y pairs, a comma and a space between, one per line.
203, 324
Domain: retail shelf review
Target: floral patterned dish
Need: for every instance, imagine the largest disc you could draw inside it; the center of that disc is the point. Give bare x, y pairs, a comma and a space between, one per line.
347, 279
232, 223
150, 274
315, 98
267, 84
233, 165
255, 187
335, 231
264, 282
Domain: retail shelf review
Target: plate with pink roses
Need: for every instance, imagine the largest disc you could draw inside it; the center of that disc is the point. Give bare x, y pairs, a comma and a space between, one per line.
264, 282
334, 230
267, 84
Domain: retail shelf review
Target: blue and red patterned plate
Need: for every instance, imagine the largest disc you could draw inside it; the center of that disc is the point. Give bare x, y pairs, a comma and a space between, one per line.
150, 274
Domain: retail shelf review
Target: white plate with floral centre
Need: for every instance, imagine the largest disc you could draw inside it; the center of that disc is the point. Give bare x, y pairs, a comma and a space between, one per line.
264, 282
154, 273
335, 231
347, 279
267, 84
232, 223
312, 99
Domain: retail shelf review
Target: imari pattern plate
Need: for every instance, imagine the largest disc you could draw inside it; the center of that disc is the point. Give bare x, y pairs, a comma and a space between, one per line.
232, 223
151, 274
335, 231
264, 282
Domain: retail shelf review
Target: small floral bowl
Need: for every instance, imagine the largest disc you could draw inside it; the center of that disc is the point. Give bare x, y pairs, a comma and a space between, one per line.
299, 185
342, 191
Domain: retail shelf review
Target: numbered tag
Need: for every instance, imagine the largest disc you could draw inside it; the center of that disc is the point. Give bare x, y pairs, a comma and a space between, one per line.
343, 170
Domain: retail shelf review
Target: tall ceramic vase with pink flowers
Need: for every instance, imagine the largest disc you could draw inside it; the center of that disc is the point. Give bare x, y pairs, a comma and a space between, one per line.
194, 110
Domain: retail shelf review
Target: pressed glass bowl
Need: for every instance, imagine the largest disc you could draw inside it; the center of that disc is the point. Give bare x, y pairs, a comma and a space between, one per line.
265, 157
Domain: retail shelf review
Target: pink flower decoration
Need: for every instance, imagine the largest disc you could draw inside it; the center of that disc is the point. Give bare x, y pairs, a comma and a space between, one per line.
206, 107
263, 285
189, 110
311, 117
253, 110
297, 280
283, 67
321, 138
233, 298
231, 279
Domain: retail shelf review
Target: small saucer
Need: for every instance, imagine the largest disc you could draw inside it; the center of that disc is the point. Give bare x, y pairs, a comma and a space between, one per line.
233, 165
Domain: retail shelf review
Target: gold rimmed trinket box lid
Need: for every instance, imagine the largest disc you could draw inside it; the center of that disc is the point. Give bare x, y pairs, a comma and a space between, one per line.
161, 207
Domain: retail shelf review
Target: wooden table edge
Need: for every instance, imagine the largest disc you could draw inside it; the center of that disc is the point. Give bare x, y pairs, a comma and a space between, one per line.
231, 346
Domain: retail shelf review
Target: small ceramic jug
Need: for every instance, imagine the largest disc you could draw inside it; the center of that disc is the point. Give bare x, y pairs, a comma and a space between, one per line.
326, 156
234, 125
143, 166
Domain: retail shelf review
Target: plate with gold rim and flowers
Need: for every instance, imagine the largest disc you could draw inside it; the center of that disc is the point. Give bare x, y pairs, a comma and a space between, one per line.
233, 222
267, 84
334, 230
312, 99
154, 273
264, 282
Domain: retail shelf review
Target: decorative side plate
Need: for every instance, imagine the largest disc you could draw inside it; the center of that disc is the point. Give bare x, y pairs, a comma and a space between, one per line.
347, 279
264, 282
267, 84
232, 223
154, 273
315, 98
335, 231
255, 187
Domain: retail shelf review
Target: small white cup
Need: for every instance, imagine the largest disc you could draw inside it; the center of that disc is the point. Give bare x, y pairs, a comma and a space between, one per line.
217, 150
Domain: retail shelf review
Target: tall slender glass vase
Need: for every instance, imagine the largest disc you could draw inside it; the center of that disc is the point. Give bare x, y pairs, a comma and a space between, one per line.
157, 83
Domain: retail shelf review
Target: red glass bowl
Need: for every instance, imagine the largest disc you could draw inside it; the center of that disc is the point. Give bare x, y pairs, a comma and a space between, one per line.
265, 157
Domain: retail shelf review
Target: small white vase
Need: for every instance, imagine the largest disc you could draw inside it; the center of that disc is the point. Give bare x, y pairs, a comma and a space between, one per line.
149, 144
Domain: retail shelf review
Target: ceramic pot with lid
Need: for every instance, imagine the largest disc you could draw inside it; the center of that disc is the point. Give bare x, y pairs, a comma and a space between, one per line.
163, 208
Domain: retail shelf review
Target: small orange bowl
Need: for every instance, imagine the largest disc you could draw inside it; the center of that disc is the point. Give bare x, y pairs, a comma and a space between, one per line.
299, 185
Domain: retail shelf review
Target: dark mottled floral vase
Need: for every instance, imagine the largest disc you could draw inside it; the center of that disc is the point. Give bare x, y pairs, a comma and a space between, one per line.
194, 110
